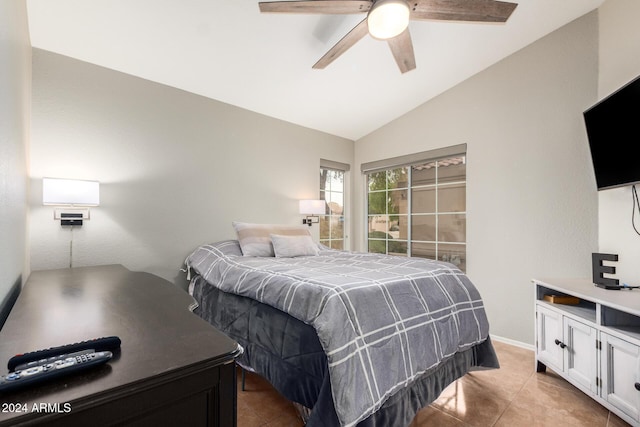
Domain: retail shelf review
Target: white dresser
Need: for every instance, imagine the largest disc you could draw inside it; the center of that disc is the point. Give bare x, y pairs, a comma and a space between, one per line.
595, 344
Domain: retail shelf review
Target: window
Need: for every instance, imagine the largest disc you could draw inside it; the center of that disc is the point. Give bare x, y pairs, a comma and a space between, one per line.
332, 190
419, 209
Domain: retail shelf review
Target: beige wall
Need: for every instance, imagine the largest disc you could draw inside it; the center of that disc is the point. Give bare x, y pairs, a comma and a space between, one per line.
175, 168
619, 64
531, 198
15, 87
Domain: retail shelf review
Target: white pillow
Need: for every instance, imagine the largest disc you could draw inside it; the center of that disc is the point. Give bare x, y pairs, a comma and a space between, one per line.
255, 239
293, 246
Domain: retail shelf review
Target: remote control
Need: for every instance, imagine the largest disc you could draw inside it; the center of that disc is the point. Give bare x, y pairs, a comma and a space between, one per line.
97, 344
62, 365
51, 359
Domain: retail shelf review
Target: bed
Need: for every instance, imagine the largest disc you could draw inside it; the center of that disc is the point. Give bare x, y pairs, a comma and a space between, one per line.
357, 338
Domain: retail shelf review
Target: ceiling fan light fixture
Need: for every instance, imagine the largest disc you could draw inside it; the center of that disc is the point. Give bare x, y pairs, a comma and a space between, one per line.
388, 18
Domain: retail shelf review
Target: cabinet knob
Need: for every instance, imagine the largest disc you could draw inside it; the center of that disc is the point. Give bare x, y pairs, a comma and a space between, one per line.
560, 343
637, 386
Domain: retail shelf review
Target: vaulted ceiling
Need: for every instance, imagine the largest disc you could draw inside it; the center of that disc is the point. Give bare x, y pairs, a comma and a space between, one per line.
227, 50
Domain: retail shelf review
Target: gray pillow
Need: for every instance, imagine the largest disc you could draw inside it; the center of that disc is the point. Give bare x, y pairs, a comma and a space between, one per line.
255, 239
293, 246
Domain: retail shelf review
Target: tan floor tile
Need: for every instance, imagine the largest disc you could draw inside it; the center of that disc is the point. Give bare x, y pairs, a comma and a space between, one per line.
552, 378
616, 421
431, 416
286, 421
268, 406
545, 404
514, 360
249, 420
512, 396
500, 383
472, 400
260, 401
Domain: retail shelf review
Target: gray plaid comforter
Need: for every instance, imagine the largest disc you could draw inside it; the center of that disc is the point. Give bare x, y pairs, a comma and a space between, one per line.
382, 320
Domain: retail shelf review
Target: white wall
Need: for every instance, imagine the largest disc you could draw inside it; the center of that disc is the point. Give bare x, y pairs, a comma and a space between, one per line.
175, 168
15, 87
531, 197
619, 64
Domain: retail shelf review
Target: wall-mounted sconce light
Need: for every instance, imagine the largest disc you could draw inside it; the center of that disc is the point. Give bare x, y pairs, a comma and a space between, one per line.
70, 193
312, 208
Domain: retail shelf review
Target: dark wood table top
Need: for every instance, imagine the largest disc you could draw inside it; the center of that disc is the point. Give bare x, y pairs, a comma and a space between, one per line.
152, 317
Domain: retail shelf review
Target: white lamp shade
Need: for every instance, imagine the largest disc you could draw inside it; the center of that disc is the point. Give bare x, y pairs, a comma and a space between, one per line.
70, 192
388, 18
313, 207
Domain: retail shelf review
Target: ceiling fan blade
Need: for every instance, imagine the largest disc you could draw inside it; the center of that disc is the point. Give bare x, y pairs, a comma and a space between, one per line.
463, 10
402, 49
352, 37
317, 6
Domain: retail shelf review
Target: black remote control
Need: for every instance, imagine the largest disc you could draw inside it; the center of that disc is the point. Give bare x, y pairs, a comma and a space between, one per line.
62, 365
98, 344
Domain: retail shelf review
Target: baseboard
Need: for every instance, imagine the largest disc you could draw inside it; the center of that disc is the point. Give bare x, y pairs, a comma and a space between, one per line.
513, 342
9, 300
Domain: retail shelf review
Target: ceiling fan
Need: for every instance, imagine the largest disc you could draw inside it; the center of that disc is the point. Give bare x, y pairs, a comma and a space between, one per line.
389, 19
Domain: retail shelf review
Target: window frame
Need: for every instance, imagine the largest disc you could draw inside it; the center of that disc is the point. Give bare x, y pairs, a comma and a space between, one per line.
408, 162
342, 168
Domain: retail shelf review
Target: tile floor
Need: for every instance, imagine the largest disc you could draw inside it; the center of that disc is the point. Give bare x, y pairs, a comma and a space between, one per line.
514, 395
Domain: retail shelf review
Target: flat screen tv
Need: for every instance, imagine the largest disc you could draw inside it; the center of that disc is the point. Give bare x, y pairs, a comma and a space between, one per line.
613, 130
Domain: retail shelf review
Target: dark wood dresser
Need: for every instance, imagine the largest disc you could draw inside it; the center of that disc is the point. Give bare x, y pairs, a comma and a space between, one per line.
173, 368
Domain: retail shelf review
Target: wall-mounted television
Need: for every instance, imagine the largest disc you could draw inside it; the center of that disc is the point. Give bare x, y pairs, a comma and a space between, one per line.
613, 130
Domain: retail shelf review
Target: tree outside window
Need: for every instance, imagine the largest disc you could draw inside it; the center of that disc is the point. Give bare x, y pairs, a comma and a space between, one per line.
332, 232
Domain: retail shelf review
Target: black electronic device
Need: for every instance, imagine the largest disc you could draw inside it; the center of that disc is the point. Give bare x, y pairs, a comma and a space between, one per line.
616, 287
111, 343
613, 130
53, 367
609, 287
72, 219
